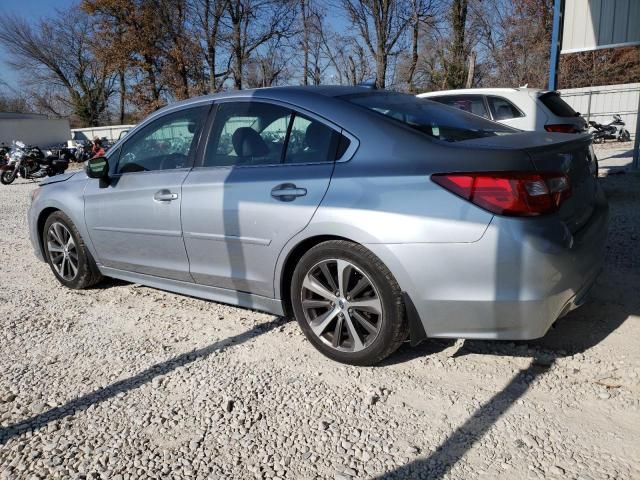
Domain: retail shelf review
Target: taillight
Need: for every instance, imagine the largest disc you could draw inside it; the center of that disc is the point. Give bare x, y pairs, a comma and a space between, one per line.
561, 128
509, 193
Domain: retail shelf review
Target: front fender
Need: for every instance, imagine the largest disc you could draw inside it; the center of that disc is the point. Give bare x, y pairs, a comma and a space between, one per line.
68, 197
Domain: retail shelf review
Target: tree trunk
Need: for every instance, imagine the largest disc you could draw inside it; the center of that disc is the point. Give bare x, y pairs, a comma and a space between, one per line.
381, 69
414, 55
122, 94
237, 52
305, 43
472, 68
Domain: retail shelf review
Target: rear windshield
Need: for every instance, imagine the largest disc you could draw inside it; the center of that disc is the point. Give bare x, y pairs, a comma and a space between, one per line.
436, 120
558, 107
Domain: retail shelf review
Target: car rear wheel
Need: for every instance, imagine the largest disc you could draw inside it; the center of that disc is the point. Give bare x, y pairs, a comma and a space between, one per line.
348, 304
66, 253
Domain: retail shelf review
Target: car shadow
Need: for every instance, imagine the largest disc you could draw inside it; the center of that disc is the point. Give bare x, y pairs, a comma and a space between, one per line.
128, 384
458, 443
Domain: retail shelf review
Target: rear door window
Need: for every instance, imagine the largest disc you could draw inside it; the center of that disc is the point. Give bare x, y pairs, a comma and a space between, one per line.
260, 133
247, 133
557, 105
311, 141
469, 103
503, 109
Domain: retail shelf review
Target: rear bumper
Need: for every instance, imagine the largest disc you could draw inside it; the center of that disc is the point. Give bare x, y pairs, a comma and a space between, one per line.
512, 284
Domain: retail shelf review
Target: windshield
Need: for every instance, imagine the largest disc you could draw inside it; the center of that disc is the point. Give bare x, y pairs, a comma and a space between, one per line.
436, 120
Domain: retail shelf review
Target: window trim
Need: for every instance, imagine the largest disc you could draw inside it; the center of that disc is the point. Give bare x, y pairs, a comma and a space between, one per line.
295, 109
500, 97
193, 156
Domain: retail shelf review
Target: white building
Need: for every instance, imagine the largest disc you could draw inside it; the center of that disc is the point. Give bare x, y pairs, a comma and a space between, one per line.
33, 129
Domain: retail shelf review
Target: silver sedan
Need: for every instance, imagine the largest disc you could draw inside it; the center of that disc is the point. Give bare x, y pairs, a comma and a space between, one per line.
372, 217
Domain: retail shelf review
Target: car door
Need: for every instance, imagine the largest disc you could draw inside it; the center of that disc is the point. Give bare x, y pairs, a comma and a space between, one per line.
134, 220
263, 174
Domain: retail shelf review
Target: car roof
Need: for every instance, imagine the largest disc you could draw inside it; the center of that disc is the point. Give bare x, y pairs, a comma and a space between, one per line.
271, 93
478, 91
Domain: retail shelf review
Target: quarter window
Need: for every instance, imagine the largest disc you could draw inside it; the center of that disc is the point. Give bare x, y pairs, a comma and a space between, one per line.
167, 143
502, 109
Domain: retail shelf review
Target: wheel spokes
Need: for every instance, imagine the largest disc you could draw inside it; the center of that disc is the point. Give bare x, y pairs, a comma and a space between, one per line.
353, 333
344, 270
62, 251
53, 247
313, 285
307, 304
371, 305
370, 327
320, 324
328, 277
341, 305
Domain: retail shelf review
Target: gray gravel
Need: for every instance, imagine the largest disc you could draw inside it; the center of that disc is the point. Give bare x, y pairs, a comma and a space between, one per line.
124, 381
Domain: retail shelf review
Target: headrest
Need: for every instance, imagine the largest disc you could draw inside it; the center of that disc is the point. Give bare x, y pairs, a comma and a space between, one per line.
503, 112
317, 136
248, 143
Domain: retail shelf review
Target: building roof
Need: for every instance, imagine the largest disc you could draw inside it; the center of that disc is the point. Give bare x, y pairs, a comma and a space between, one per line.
19, 116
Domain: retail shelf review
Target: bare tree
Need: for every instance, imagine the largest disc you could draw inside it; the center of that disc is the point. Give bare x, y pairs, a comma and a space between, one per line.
269, 67
253, 24
380, 25
210, 18
422, 15
57, 53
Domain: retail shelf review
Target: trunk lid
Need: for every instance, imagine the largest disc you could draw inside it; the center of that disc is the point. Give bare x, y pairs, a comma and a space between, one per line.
570, 154
576, 160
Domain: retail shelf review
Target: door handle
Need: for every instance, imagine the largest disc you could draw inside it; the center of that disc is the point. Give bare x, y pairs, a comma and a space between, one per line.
287, 192
165, 196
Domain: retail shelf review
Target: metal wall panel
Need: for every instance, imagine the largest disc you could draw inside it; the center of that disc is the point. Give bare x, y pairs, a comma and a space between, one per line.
594, 24
601, 103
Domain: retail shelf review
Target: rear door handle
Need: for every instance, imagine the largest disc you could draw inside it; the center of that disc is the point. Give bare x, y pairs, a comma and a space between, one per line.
287, 192
165, 196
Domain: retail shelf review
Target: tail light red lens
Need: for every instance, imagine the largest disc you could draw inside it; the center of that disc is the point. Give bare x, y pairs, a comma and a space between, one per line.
561, 128
521, 194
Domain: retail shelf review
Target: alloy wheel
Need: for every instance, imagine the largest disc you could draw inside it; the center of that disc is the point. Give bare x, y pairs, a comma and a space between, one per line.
341, 305
62, 251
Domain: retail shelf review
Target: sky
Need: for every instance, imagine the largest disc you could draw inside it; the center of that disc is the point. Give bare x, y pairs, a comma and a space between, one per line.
33, 10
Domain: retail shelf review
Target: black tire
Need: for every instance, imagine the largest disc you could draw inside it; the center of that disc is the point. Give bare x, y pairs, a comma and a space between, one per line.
7, 177
87, 273
624, 137
392, 326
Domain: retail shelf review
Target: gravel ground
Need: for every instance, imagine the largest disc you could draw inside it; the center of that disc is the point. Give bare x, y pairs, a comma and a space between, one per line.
124, 381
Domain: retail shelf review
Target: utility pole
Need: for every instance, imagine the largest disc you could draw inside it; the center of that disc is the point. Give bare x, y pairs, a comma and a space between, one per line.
556, 43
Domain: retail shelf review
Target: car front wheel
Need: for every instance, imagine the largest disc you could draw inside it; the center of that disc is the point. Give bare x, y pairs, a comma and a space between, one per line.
348, 303
66, 253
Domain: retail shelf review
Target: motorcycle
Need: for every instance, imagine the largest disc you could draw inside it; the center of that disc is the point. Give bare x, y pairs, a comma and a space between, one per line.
612, 131
30, 163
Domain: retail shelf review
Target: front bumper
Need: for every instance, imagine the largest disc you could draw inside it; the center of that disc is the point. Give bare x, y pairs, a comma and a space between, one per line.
512, 284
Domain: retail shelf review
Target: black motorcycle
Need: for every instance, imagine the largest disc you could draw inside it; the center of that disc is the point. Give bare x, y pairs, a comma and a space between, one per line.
30, 163
612, 131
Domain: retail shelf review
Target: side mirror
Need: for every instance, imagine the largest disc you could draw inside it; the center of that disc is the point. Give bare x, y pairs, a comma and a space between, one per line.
97, 167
